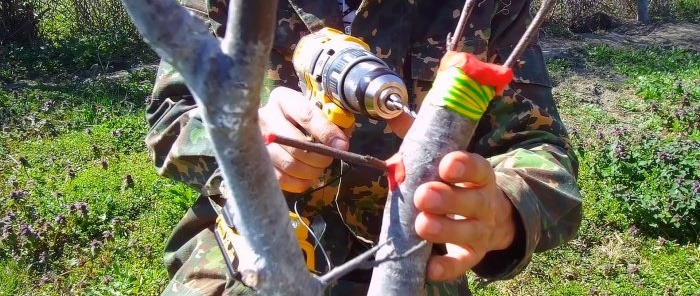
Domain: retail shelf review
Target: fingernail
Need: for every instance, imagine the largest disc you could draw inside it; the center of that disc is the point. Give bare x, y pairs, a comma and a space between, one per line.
338, 143
433, 228
432, 199
457, 170
436, 271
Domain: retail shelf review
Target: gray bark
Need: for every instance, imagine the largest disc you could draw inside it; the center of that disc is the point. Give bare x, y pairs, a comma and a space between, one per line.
226, 80
435, 132
643, 11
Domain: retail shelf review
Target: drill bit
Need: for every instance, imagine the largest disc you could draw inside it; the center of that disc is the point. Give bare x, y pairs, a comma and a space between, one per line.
394, 103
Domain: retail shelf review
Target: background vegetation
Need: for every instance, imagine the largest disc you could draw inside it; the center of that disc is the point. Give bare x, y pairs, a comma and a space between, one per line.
639, 174
83, 212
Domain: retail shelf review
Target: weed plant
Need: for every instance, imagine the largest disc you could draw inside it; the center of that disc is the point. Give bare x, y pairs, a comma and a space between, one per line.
81, 208
654, 172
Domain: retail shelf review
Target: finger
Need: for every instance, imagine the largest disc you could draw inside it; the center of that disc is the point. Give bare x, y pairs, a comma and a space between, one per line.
309, 158
292, 184
464, 167
273, 120
441, 229
438, 198
310, 118
286, 162
400, 124
453, 265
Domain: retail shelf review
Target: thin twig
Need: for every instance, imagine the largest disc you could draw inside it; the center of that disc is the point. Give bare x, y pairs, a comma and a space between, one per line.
529, 33
354, 158
351, 265
453, 43
394, 256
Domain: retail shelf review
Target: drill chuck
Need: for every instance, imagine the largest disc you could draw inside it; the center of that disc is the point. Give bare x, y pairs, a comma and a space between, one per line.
362, 83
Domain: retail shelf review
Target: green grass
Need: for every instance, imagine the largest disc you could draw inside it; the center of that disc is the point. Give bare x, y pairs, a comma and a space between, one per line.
72, 144
66, 57
651, 163
639, 175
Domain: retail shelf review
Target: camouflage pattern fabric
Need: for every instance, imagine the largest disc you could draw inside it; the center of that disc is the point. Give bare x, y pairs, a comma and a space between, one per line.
521, 134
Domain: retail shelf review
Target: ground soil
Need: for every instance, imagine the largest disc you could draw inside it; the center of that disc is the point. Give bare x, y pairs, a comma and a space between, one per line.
681, 35
600, 86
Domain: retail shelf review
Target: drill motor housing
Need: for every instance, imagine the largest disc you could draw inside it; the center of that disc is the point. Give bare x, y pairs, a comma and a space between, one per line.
341, 75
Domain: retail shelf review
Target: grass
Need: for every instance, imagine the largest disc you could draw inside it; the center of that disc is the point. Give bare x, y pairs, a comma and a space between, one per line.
639, 175
71, 222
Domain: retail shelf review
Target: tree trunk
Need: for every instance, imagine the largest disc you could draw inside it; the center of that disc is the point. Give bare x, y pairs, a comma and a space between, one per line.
643, 11
226, 80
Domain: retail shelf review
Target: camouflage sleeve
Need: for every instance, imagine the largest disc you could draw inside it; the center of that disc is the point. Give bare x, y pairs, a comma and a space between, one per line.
527, 144
176, 137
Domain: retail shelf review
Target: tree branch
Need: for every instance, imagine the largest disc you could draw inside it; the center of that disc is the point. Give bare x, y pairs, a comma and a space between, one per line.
435, 132
225, 79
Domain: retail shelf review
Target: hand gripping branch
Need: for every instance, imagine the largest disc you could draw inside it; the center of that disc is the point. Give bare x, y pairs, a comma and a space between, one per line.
446, 122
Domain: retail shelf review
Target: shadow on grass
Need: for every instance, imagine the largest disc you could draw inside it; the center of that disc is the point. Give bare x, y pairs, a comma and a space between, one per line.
73, 57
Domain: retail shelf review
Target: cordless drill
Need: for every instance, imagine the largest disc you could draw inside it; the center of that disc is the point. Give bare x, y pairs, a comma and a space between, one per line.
343, 78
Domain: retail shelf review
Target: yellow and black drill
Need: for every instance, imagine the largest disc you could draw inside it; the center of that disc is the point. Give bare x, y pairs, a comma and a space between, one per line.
343, 78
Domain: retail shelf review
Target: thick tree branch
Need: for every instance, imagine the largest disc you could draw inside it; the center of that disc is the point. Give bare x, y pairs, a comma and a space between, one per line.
435, 133
226, 79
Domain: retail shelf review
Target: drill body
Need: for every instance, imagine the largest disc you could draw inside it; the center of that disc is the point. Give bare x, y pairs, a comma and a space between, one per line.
343, 78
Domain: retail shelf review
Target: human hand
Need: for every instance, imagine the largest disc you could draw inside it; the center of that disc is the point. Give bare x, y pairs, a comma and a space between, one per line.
400, 124
468, 212
289, 113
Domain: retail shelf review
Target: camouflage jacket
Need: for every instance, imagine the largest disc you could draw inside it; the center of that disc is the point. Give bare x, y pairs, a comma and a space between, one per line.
521, 133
